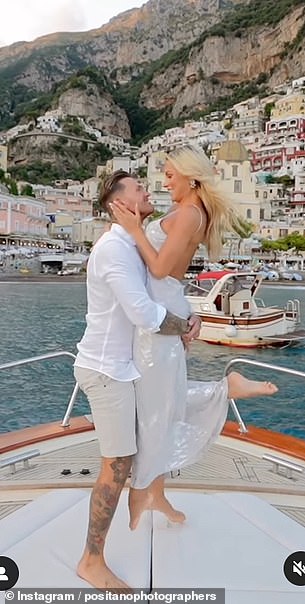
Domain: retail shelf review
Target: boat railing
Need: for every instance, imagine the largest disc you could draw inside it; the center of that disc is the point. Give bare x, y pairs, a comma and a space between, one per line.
64, 353
44, 357
242, 426
293, 306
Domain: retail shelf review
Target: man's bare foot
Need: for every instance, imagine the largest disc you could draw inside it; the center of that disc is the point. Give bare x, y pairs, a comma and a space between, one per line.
241, 387
143, 499
100, 576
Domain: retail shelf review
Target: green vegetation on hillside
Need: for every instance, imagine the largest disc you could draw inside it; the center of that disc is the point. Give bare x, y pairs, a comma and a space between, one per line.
24, 107
77, 162
254, 14
19, 103
16, 99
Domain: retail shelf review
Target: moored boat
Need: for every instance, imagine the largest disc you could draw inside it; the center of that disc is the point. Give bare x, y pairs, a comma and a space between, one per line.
232, 315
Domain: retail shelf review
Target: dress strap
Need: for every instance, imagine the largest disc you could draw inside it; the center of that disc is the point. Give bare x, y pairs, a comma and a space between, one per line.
192, 205
201, 218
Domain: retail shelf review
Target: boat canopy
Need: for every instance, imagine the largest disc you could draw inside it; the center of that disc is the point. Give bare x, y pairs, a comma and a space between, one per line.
214, 275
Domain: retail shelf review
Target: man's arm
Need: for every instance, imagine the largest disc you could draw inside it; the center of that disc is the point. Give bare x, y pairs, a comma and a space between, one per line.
124, 277
173, 325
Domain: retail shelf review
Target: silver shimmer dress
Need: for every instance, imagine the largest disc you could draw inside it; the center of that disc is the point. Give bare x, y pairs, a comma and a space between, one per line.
177, 420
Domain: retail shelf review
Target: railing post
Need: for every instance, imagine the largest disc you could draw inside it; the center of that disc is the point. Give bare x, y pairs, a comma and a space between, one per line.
43, 357
66, 420
242, 426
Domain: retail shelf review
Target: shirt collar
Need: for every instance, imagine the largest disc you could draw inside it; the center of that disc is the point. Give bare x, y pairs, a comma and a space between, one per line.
117, 228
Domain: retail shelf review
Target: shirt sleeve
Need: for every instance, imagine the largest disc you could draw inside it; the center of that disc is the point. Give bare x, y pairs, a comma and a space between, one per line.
115, 264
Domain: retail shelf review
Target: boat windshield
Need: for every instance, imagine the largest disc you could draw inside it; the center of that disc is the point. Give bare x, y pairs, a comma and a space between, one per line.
201, 287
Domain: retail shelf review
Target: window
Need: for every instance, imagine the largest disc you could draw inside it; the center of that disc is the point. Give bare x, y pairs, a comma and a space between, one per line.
249, 214
158, 185
265, 194
256, 194
234, 171
237, 186
262, 214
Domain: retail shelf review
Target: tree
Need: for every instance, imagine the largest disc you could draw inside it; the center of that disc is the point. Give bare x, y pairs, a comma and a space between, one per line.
142, 172
27, 190
244, 229
12, 186
267, 110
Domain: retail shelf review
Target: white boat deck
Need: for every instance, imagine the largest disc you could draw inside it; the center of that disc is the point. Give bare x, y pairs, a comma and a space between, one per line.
230, 465
232, 537
230, 540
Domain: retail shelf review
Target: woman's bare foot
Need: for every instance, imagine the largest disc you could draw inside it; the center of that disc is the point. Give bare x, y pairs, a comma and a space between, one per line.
161, 504
143, 499
100, 576
241, 387
139, 500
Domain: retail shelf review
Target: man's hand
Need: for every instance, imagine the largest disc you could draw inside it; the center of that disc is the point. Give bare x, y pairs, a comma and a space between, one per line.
175, 326
194, 324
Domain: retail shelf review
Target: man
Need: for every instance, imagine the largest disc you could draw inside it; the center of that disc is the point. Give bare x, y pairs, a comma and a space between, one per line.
104, 368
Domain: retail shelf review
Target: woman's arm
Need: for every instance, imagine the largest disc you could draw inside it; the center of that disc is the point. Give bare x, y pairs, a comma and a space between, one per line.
181, 230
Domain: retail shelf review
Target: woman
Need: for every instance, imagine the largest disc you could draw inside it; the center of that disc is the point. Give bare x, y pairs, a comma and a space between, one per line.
176, 424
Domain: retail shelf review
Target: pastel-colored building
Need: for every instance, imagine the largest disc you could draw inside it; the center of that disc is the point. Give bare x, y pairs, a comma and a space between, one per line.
288, 126
273, 200
3, 158
281, 228
276, 155
91, 188
120, 162
234, 169
89, 229
297, 202
160, 197
289, 105
64, 200
22, 216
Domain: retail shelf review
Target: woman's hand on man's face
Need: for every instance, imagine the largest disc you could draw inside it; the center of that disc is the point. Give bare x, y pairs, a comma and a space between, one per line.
130, 221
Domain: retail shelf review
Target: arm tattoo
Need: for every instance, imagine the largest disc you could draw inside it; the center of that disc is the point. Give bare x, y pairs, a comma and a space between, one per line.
173, 325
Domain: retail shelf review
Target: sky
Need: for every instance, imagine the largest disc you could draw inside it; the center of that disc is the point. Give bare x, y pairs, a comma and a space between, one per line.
28, 19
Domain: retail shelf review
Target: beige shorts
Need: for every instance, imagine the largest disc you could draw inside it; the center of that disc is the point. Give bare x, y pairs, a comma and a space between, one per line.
113, 410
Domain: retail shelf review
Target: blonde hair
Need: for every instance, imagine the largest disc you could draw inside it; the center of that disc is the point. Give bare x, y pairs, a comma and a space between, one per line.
192, 162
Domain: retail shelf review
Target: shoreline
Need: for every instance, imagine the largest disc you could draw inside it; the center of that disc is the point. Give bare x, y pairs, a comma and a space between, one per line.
41, 278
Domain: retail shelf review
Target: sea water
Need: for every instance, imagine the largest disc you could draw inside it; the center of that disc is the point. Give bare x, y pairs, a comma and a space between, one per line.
37, 318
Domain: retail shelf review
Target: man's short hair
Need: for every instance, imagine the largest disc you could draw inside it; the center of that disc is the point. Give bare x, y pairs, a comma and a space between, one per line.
112, 185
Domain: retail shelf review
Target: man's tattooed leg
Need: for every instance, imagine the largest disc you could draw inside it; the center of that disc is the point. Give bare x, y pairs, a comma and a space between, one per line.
103, 502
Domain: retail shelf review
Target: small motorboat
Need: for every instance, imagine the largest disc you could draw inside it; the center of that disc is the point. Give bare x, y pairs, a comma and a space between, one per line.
232, 315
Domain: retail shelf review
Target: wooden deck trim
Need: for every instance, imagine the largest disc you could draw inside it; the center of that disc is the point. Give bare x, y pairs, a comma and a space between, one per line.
281, 443
30, 436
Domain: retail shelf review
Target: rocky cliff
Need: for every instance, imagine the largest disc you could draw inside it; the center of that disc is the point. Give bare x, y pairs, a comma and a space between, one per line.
168, 60
96, 108
217, 64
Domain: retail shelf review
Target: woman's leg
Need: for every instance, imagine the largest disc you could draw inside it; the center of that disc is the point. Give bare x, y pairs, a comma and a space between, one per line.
151, 498
241, 387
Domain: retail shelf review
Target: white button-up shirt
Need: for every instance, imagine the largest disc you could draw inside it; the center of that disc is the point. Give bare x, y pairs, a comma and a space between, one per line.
117, 302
